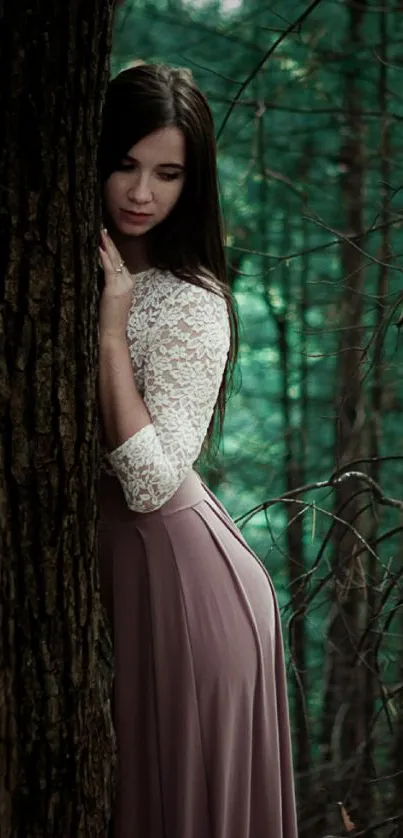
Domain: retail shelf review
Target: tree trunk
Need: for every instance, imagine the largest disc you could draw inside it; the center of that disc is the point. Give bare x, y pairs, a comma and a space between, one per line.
370, 803
56, 739
294, 460
344, 706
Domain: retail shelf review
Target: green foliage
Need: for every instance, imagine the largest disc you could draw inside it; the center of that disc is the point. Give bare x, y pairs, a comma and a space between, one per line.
284, 174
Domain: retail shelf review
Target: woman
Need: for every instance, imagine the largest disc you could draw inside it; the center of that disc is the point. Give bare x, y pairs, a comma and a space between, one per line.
200, 704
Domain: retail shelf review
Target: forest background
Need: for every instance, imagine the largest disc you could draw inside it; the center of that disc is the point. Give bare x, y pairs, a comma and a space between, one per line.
307, 100
308, 106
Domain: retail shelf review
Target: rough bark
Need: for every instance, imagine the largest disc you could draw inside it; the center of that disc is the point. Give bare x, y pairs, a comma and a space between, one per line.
56, 742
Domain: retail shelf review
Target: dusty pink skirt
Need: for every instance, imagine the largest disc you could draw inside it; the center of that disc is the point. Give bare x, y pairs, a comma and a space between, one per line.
200, 705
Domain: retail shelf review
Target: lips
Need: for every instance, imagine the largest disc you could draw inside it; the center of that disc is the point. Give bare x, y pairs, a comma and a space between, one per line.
136, 216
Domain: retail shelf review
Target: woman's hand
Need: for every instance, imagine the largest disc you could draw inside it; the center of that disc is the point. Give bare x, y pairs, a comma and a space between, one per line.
117, 295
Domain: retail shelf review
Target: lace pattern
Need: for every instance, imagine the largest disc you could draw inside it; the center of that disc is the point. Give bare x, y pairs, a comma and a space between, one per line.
178, 337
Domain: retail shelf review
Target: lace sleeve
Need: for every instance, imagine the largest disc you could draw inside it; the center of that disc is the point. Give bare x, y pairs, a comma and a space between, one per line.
187, 352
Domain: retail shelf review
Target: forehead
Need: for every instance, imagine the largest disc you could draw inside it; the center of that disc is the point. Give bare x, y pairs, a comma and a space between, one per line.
167, 145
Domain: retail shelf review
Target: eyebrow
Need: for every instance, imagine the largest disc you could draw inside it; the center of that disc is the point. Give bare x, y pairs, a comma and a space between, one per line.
178, 166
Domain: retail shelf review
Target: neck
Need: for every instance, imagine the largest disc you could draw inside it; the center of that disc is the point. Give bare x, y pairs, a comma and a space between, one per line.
132, 250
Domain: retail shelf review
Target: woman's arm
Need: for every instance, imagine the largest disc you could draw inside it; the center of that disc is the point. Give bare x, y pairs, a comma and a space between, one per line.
159, 438
155, 441
123, 410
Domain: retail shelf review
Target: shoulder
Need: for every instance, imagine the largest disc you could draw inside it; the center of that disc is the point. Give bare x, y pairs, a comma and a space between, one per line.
181, 293
188, 307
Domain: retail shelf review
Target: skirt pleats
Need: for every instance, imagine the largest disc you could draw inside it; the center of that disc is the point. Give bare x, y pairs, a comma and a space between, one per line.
200, 702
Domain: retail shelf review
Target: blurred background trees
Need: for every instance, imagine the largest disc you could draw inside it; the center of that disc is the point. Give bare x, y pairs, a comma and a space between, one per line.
311, 161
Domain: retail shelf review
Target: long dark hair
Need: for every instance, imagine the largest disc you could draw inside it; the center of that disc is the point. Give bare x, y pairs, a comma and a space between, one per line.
190, 241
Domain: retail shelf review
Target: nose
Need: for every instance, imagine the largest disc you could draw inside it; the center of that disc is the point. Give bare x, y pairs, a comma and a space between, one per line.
140, 190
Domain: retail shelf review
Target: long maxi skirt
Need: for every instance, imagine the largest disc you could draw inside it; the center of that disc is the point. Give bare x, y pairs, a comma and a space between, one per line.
200, 705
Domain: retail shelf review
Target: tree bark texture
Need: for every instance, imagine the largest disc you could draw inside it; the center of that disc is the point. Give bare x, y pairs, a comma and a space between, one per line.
56, 739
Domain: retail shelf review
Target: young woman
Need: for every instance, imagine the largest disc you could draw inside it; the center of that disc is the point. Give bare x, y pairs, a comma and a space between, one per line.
200, 705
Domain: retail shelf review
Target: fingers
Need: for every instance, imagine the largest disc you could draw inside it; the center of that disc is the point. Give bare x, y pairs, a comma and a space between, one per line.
110, 256
106, 260
117, 277
110, 249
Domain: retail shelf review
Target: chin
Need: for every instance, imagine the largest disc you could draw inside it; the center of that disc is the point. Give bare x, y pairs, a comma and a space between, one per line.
132, 230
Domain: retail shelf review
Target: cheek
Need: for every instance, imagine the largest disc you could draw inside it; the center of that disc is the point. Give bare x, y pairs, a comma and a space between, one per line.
174, 194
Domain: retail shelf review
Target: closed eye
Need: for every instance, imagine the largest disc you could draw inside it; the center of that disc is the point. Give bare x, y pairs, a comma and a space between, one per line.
126, 166
169, 175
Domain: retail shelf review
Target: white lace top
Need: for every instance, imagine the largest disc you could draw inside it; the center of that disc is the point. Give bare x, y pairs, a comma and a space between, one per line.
178, 337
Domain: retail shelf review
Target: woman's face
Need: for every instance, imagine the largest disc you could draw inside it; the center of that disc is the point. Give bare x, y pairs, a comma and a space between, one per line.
148, 184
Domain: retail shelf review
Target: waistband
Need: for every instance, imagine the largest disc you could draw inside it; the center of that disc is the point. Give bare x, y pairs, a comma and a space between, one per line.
113, 504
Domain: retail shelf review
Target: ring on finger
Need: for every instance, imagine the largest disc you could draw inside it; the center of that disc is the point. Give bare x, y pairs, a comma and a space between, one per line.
120, 267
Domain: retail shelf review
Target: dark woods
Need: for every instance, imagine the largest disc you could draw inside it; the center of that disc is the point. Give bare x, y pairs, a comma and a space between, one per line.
308, 116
